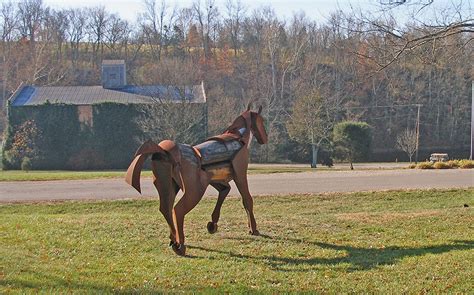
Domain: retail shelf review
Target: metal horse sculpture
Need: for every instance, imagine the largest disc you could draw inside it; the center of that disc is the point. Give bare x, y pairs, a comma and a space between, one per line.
192, 169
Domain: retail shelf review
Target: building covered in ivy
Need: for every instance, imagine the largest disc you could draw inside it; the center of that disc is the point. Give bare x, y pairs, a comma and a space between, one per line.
90, 127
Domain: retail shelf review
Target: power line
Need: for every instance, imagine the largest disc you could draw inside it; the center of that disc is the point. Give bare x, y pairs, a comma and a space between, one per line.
387, 117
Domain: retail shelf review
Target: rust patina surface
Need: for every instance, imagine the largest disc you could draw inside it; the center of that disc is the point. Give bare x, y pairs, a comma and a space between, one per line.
192, 169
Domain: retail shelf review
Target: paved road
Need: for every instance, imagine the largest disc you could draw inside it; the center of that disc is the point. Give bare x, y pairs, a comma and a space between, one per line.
260, 184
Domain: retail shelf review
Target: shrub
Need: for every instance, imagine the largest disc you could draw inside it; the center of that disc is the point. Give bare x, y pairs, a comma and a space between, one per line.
453, 163
26, 164
424, 165
24, 144
412, 166
441, 165
466, 164
352, 141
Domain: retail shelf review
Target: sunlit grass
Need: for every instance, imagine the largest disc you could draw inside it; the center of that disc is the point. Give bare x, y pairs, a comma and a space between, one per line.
16, 175
35, 175
383, 242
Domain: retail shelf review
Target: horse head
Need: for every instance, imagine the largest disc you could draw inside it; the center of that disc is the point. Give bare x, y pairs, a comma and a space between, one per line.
258, 127
247, 122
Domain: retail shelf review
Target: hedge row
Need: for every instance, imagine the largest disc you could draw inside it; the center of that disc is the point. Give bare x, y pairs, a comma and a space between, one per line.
452, 164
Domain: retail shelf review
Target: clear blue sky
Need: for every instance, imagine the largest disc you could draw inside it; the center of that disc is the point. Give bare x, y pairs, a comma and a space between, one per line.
314, 9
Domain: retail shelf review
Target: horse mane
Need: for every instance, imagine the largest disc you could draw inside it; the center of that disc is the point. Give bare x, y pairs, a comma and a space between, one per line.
238, 123
243, 127
240, 129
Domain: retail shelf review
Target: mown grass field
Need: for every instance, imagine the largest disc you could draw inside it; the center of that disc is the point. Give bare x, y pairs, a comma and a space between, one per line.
18, 175
35, 175
382, 242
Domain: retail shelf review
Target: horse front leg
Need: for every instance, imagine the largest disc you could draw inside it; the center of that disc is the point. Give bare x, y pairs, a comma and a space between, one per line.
223, 189
240, 165
247, 200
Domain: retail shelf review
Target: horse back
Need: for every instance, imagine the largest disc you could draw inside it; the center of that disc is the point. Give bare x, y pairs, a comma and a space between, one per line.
215, 151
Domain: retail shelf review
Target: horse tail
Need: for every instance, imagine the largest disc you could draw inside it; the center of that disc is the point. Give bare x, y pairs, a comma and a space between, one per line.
134, 170
167, 150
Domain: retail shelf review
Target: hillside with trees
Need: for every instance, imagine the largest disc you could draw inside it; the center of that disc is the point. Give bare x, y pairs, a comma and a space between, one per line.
361, 66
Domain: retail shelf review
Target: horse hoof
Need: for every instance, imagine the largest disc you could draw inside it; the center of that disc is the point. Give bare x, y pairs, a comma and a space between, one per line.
179, 249
211, 227
254, 233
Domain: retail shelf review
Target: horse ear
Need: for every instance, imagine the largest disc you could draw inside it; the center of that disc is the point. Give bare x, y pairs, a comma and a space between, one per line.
259, 110
248, 106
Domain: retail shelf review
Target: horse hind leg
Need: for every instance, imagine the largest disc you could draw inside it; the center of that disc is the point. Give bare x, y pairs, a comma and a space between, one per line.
167, 190
223, 189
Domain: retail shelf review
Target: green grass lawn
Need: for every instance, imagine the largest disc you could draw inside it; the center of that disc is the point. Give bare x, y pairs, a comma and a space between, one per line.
383, 242
18, 175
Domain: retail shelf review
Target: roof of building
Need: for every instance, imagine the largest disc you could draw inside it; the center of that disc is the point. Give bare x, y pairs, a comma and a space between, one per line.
88, 95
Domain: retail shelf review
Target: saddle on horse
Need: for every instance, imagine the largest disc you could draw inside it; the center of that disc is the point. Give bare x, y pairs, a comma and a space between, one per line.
214, 155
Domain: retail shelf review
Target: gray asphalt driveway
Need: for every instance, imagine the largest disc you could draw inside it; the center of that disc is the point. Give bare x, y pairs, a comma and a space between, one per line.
260, 184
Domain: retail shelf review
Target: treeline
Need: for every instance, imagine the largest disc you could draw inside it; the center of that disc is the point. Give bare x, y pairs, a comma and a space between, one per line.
255, 56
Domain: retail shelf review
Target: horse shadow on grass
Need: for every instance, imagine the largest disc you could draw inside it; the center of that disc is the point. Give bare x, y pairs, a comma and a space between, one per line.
41, 282
357, 258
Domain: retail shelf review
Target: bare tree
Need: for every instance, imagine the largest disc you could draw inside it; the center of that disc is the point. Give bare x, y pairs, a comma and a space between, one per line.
57, 25
291, 55
406, 141
8, 22
184, 21
117, 35
235, 14
77, 19
206, 17
426, 27
157, 22
46, 69
98, 19
272, 39
312, 121
7, 28
31, 15
171, 118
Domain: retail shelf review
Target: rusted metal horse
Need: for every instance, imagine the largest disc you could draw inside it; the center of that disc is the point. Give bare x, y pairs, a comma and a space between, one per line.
192, 169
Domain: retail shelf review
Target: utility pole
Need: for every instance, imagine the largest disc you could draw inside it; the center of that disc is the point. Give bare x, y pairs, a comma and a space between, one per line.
472, 122
417, 133
4, 81
313, 151
206, 110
